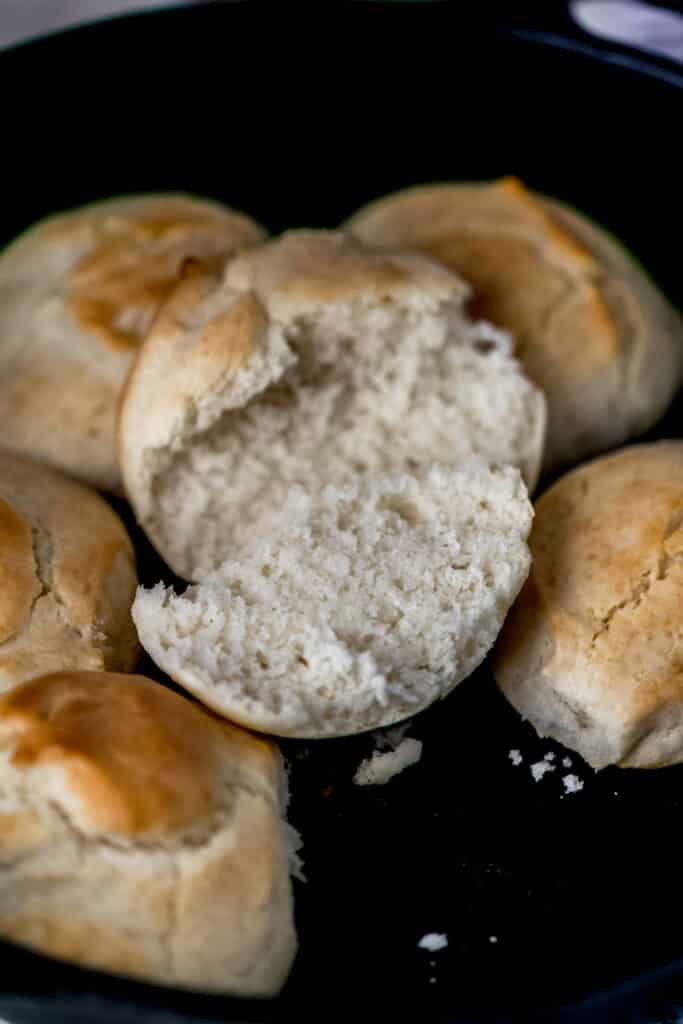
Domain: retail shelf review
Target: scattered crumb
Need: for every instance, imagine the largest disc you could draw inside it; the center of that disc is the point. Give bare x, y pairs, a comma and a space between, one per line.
540, 768
566, 762
572, 783
432, 980
493, 938
380, 768
549, 756
433, 941
515, 756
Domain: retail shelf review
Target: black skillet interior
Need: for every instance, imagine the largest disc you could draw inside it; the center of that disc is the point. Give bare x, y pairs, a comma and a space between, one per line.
548, 900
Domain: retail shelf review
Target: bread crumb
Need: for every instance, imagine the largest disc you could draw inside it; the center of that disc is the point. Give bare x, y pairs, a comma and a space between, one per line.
515, 756
540, 768
380, 768
493, 938
572, 783
549, 756
433, 941
432, 980
566, 762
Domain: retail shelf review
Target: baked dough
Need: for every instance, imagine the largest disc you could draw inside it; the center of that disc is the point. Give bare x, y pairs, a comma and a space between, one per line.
78, 294
589, 326
592, 652
67, 576
142, 836
313, 359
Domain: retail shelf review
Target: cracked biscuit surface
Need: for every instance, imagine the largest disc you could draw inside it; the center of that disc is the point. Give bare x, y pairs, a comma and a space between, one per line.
589, 326
141, 835
366, 604
592, 652
78, 294
313, 359
67, 576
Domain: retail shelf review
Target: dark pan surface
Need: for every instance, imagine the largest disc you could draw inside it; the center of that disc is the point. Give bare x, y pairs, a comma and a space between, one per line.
582, 892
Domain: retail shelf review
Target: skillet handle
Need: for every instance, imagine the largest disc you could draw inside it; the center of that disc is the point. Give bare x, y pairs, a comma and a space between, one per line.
641, 35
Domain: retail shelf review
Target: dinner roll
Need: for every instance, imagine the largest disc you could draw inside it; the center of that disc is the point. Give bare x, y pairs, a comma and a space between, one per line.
67, 576
589, 326
367, 603
592, 652
78, 293
142, 836
312, 358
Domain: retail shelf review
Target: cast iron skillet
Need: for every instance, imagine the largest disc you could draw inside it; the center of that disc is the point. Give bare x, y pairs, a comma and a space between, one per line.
298, 118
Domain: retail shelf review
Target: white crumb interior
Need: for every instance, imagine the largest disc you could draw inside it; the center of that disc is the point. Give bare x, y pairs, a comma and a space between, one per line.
354, 386
371, 601
380, 768
541, 768
433, 941
572, 783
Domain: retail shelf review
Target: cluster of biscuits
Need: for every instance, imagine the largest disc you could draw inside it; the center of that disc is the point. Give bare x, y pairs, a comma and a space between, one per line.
332, 436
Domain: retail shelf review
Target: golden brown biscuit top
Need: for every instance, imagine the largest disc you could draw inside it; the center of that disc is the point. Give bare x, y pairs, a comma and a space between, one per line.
78, 539
213, 341
604, 533
565, 245
525, 268
303, 267
231, 334
117, 288
137, 759
19, 585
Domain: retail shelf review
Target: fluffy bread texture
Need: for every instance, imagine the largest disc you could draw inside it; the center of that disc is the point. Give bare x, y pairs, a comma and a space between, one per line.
590, 328
142, 836
78, 294
67, 577
592, 652
370, 602
312, 360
